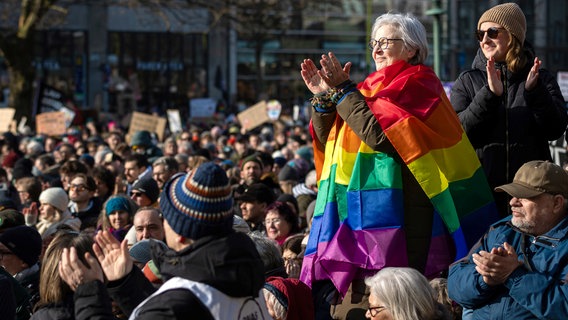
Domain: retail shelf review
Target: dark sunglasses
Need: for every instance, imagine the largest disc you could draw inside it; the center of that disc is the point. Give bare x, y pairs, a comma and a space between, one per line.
492, 33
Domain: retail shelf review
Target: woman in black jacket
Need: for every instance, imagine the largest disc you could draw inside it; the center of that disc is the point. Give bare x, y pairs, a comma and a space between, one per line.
56, 297
509, 107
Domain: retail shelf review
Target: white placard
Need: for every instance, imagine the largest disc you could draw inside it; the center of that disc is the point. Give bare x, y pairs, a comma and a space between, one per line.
202, 108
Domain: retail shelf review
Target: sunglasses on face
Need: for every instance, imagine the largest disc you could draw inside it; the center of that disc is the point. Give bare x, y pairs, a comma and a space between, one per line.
492, 33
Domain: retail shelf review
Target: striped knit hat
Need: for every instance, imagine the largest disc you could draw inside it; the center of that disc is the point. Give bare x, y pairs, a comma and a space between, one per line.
510, 16
199, 203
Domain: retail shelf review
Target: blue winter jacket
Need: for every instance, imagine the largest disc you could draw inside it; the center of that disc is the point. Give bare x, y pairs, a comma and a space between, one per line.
536, 290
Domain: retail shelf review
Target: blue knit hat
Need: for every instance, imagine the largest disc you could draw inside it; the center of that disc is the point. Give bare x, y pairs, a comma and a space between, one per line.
199, 203
117, 204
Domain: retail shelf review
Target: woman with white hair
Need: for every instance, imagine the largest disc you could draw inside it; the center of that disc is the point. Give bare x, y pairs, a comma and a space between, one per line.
402, 294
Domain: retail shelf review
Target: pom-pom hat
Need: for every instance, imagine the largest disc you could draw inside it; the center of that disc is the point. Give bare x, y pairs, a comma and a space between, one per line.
199, 203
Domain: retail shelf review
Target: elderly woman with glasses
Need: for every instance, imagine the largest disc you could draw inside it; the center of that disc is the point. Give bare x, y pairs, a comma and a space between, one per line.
387, 152
402, 294
508, 105
280, 222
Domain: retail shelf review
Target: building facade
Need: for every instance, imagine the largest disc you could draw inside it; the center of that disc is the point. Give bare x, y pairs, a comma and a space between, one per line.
119, 59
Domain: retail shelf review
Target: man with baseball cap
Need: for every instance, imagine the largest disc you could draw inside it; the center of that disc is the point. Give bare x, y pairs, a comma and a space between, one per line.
211, 271
520, 267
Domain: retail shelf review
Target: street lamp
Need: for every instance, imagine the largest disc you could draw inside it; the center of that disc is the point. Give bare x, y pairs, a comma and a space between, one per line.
437, 13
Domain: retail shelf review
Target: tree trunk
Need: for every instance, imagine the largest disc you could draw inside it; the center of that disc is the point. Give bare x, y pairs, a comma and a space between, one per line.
19, 58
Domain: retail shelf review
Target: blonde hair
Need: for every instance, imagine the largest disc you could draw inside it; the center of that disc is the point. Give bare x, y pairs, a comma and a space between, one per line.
516, 58
52, 289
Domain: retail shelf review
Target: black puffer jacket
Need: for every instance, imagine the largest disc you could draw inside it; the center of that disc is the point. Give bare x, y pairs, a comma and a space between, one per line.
230, 264
60, 311
515, 128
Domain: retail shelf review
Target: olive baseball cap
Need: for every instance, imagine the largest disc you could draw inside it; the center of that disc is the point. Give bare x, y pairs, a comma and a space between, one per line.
535, 178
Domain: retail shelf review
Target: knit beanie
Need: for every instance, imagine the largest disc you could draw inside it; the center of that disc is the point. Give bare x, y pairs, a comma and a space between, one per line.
141, 138
287, 173
24, 242
117, 204
199, 203
293, 295
149, 187
56, 197
510, 16
141, 251
251, 158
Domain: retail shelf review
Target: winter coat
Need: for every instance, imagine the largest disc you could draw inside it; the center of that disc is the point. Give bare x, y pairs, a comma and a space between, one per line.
512, 129
535, 290
59, 311
229, 264
418, 210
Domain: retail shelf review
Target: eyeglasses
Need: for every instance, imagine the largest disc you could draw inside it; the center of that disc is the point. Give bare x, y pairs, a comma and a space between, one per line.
374, 311
275, 221
78, 187
382, 42
492, 33
136, 194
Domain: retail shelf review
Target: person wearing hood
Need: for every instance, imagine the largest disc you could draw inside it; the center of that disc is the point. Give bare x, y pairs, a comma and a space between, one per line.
211, 271
143, 143
508, 105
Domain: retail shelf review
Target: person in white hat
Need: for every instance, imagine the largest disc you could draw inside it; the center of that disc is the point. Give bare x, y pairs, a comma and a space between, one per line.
53, 212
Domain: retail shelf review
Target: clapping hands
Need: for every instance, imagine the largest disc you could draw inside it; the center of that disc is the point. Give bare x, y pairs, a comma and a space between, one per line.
496, 266
331, 74
113, 260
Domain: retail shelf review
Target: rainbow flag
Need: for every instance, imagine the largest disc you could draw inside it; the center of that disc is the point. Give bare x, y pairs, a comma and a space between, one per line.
358, 221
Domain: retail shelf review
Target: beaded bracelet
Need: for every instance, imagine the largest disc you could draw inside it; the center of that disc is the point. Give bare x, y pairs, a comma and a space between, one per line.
341, 90
322, 102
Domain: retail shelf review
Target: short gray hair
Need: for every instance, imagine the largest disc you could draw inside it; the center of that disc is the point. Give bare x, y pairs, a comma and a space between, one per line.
412, 32
170, 163
405, 292
268, 250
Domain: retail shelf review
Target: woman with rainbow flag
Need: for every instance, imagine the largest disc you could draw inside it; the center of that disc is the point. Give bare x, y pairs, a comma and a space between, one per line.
399, 182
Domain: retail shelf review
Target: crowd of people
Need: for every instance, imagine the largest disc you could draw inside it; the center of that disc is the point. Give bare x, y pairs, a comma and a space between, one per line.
361, 214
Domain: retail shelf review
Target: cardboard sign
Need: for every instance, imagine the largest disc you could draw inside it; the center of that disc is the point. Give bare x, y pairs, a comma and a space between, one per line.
254, 116
6, 116
142, 121
174, 119
51, 123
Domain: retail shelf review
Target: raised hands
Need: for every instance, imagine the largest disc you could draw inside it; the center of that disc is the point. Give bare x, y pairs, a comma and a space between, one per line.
112, 255
496, 266
494, 77
312, 79
74, 272
331, 74
532, 77
30, 214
